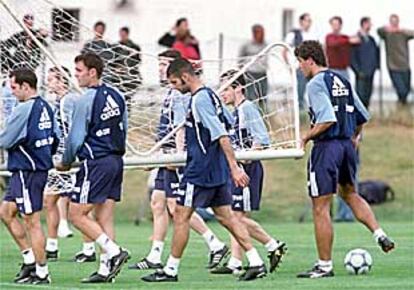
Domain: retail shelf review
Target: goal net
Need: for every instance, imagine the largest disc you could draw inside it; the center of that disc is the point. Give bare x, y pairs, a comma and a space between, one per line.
56, 37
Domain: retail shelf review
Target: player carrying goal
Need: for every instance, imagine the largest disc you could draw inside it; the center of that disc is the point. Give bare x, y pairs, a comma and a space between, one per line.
209, 158
249, 131
164, 195
97, 137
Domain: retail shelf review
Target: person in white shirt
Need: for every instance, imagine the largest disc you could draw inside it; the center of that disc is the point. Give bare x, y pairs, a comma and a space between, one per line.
294, 38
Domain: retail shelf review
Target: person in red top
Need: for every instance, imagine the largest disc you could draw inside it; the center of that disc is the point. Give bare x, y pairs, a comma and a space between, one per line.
184, 45
338, 47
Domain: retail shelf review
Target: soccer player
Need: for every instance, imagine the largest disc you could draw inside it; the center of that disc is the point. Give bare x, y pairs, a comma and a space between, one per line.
164, 194
337, 116
30, 136
249, 131
97, 137
204, 184
60, 185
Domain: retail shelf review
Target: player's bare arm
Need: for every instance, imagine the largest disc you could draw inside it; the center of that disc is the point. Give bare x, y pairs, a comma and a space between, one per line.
239, 176
316, 130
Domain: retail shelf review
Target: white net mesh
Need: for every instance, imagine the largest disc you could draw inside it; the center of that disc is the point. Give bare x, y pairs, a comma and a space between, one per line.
57, 38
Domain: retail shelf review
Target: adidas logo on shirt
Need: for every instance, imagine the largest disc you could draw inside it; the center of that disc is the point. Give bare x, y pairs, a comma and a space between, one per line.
110, 110
45, 121
338, 88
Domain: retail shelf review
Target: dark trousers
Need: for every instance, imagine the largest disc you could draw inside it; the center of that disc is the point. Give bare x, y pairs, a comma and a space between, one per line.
364, 88
301, 85
401, 81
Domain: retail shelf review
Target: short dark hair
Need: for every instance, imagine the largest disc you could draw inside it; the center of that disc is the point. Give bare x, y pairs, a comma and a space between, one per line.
63, 77
303, 16
100, 23
311, 49
125, 29
180, 20
25, 75
239, 81
180, 66
91, 60
363, 20
339, 18
257, 26
170, 53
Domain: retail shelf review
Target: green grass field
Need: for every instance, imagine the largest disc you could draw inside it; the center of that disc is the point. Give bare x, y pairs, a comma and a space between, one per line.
395, 270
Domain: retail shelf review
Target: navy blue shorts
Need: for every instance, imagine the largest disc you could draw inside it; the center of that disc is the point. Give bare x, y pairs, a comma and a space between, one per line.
248, 198
98, 180
194, 196
26, 190
331, 162
168, 181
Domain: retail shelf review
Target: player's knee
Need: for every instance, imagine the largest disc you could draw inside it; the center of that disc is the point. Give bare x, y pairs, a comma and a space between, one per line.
227, 221
157, 207
74, 215
320, 209
31, 222
49, 204
5, 215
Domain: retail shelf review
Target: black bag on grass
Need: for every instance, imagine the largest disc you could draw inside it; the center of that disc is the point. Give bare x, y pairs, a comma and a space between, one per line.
375, 191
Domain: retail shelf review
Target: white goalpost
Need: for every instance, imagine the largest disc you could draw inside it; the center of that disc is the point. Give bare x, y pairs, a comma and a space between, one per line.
56, 42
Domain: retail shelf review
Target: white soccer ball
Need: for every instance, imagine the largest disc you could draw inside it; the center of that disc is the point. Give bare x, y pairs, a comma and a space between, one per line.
358, 261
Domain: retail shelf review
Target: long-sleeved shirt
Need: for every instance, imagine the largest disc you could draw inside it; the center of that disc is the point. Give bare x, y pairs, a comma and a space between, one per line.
396, 48
99, 125
30, 136
338, 51
365, 56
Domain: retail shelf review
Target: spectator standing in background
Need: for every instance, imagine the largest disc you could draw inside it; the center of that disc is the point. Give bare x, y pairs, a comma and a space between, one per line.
294, 39
365, 61
183, 44
338, 48
128, 58
397, 52
257, 71
181, 32
98, 45
20, 50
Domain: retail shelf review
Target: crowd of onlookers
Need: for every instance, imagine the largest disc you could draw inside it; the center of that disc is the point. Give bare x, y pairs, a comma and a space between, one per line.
359, 52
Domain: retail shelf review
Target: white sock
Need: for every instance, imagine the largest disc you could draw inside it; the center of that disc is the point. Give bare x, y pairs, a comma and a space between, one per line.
88, 248
42, 271
171, 268
325, 265
108, 245
234, 263
63, 224
103, 265
378, 234
51, 245
214, 244
28, 256
254, 258
271, 245
154, 255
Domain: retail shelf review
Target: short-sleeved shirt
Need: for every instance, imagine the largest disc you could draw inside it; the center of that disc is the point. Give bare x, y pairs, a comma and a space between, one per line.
249, 128
206, 122
332, 99
173, 113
